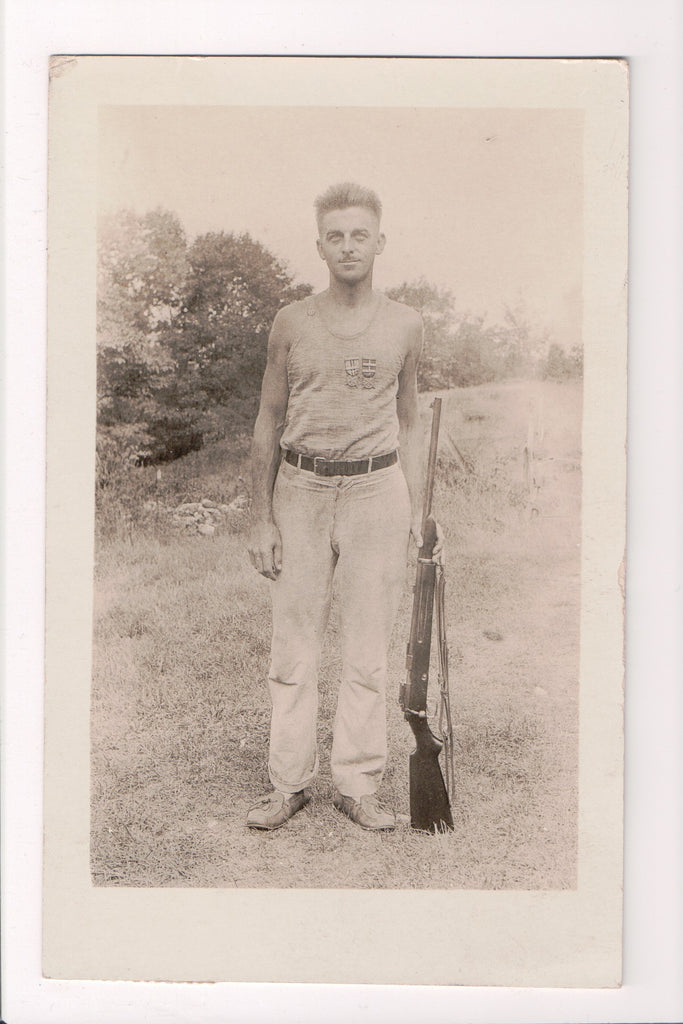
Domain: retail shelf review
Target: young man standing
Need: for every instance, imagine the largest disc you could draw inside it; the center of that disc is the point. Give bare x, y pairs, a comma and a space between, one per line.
330, 497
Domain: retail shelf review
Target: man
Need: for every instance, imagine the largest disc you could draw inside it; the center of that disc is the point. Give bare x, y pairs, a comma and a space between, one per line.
330, 498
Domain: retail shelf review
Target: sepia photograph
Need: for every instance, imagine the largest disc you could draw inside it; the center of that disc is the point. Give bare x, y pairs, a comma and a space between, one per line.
349, 396
416, 257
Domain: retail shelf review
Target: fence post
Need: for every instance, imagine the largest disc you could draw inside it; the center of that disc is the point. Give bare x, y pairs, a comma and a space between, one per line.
534, 428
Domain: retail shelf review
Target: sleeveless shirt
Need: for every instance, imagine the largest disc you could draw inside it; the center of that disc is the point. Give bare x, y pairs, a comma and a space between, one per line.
343, 388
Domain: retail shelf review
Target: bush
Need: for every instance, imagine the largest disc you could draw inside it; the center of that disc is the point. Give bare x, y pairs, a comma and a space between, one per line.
560, 365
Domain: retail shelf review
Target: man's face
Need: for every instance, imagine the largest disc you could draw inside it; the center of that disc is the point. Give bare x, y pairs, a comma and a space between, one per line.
348, 242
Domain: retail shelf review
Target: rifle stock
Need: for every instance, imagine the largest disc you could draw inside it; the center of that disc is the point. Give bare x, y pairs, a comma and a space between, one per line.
429, 806
430, 810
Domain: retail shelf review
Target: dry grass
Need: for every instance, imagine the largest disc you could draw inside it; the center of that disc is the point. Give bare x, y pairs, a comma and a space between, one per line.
180, 711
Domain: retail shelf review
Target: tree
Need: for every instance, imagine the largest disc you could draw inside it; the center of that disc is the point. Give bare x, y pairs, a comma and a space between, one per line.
219, 339
458, 350
437, 308
522, 346
181, 333
561, 365
474, 359
141, 273
141, 279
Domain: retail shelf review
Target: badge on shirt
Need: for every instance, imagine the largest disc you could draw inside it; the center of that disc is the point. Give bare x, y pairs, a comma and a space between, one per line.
352, 367
369, 367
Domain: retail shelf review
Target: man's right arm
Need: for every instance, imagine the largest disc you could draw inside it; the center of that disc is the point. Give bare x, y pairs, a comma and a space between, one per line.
265, 547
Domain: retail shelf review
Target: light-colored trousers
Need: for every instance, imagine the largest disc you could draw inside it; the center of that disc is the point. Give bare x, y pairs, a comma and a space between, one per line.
355, 529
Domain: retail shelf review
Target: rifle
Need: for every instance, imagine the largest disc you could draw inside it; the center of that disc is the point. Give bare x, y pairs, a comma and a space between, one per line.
430, 809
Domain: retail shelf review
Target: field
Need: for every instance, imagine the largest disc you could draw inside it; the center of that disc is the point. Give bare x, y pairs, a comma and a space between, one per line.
180, 712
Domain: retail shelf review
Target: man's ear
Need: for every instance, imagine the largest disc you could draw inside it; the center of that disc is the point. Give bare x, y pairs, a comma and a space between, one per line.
381, 242
319, 247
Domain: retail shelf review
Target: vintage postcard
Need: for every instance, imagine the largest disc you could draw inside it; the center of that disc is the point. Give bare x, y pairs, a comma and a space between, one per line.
224, 698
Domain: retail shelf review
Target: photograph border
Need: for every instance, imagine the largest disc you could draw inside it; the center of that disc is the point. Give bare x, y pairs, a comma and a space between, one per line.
491, 938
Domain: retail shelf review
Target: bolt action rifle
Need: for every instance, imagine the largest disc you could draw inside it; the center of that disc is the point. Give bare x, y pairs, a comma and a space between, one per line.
430, 809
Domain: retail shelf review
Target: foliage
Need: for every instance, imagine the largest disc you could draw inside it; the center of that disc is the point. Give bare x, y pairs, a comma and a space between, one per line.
181, 333
142, 267
457, 350
437, 309
142, 274
218, 341
561, 365
460, 351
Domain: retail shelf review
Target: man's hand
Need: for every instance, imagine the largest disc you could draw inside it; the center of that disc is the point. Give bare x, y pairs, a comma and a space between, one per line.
416, 532
265, 549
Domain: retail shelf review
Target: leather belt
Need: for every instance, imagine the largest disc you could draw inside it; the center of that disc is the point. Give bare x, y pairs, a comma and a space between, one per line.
340, 467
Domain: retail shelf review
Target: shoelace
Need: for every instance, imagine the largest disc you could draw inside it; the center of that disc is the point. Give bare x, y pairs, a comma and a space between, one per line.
376, 804
265, 801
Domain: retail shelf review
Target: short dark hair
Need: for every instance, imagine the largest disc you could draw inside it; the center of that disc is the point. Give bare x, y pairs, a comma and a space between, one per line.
344, 195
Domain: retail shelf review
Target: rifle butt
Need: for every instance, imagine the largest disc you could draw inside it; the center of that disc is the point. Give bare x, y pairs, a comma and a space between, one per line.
430, 810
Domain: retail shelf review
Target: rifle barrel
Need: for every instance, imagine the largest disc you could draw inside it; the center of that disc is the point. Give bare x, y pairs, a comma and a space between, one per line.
431, 463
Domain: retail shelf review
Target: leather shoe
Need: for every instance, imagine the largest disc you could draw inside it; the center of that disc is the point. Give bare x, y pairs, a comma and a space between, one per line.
275, 808
366, 812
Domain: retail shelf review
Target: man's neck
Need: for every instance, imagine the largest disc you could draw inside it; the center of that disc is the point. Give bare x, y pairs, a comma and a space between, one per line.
350, 296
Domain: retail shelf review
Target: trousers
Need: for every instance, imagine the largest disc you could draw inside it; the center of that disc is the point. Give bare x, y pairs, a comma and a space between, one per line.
354, 530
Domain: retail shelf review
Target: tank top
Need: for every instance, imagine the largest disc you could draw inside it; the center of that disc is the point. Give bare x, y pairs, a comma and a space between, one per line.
343, 388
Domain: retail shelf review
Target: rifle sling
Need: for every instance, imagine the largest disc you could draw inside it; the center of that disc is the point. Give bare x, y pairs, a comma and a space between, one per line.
445, 722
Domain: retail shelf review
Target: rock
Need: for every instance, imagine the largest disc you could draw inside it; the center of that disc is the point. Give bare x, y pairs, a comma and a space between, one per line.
492, 634
239, 503
207, 503
206, 529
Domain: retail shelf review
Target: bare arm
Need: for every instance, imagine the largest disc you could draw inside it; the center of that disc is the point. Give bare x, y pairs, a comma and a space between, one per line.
410, 429
411, 439
264, 544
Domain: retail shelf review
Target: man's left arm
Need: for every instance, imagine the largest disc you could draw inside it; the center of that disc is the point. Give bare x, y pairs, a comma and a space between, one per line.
410, 433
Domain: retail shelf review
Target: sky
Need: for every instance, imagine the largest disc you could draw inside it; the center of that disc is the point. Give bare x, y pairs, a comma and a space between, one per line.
486, 203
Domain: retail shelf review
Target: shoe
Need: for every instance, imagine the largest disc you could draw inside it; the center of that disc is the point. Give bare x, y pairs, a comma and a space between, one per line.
366, 812
275, 808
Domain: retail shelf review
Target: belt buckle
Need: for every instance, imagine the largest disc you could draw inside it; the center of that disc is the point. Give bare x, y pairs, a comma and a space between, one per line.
316, 460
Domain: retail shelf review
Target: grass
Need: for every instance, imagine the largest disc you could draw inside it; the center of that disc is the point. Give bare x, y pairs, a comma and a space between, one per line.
180, 712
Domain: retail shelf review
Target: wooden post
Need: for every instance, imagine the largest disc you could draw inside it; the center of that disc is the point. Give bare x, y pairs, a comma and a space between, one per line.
157, 481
